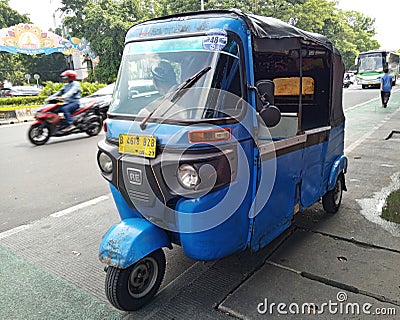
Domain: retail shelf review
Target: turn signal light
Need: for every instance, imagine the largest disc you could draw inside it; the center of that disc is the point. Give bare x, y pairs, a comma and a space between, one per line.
213, 135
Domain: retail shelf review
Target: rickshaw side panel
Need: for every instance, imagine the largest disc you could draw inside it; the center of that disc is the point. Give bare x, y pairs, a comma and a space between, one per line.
274, 215
334, 151
314, 156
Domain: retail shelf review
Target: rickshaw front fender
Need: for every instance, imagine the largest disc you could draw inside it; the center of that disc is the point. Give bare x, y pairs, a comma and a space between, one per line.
340, 165
131, 240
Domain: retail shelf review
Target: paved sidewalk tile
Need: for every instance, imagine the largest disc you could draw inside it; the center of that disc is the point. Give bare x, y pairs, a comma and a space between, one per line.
366, 269
29, 292
276, 293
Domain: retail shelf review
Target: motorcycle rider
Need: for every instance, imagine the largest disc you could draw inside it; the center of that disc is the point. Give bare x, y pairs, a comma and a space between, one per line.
71, 94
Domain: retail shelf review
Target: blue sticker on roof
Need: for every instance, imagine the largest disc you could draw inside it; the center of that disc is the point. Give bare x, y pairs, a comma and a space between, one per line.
215, 40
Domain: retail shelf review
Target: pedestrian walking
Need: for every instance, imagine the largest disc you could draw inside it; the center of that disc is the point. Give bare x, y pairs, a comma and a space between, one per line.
386, 87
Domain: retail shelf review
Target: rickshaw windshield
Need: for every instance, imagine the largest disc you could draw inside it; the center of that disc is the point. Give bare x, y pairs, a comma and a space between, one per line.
152, 71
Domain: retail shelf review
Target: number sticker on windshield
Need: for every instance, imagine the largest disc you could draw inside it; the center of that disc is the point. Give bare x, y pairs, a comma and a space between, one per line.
215, 40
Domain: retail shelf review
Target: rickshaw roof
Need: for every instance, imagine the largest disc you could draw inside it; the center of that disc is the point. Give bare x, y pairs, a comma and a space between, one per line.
269, 34
260, 27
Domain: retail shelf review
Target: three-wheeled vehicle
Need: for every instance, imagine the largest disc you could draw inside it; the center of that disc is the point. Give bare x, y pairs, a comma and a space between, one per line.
221, 128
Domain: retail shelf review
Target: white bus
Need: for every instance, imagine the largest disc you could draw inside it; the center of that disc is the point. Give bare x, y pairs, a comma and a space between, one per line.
370, 66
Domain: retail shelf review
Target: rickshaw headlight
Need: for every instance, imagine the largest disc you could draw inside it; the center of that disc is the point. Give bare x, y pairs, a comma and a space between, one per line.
188, 176
105, 163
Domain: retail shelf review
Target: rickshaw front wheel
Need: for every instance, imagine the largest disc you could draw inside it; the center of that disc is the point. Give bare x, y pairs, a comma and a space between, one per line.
332, 199
131, 288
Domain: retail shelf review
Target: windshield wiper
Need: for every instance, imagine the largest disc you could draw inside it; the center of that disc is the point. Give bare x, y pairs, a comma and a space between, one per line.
175, 95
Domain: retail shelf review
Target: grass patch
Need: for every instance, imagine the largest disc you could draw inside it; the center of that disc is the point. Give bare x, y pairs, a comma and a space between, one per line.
391, 209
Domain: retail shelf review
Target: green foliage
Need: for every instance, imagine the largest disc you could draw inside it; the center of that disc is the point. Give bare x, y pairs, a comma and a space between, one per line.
104, 26
105, 22
21, 101
11, 66
9, 16
50, 88
391, 209
90, 87
87, 88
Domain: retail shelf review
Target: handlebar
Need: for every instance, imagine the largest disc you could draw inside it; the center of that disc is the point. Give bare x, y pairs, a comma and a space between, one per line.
54, 99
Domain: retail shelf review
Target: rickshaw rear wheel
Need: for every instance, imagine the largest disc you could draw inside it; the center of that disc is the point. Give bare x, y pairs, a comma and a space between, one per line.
131, 288
332, 199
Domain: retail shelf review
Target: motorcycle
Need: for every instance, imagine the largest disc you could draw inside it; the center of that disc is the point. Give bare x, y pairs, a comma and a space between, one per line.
347, 83
49, 122
102, 106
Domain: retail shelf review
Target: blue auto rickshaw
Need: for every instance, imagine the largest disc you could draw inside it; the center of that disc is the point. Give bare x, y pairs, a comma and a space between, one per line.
222, 127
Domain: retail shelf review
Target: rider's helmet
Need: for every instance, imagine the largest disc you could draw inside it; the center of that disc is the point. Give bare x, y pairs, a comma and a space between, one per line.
164, 73
69, 74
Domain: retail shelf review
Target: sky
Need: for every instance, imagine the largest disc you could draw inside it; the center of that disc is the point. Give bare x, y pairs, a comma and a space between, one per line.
384, 11
41, 12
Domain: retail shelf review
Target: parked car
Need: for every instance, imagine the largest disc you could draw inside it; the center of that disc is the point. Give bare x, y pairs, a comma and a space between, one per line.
4, 91
19, 91
102, 98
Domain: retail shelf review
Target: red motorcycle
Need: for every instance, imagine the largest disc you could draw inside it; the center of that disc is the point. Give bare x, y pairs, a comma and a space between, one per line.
49, 122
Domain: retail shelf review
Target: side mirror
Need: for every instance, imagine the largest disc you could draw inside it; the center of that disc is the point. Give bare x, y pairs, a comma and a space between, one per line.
271, 116
265, 91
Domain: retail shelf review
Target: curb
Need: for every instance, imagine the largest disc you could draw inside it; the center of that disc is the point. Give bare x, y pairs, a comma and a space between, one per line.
17, 115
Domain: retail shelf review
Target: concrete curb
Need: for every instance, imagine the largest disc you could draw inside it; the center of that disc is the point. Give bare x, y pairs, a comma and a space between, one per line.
17, 115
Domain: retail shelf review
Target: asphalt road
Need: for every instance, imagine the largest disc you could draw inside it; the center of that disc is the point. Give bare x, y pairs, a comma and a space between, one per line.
355, 95
38, 181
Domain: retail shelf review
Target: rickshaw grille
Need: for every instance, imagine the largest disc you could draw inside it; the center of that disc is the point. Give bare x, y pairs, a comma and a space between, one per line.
138, 196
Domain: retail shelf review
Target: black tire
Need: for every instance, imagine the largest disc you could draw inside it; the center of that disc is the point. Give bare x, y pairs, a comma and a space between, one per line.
39, 135
131, 288
332, 199
94, 127
363, 86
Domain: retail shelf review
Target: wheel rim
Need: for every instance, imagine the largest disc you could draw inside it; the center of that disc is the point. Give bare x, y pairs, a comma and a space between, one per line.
40, 134
143, 277
337, 195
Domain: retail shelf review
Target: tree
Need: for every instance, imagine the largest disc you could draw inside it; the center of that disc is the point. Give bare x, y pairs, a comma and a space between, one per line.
105, 22
350, 31
11, 66
9, 16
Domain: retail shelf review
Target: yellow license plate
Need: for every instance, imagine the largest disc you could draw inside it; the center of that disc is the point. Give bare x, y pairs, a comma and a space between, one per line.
138, 145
